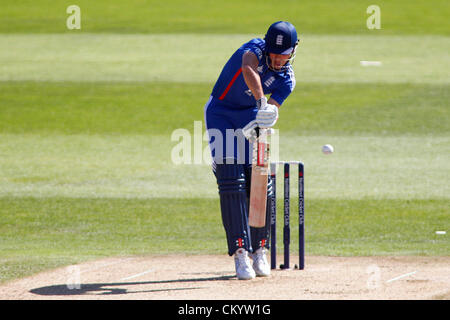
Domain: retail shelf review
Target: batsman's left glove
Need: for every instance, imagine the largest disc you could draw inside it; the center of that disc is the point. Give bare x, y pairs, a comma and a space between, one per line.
268, 116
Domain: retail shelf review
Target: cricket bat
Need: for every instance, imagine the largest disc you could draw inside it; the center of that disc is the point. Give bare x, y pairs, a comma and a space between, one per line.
258, 189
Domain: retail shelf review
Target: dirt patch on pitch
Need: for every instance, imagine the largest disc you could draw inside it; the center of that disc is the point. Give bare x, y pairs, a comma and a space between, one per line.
181, 277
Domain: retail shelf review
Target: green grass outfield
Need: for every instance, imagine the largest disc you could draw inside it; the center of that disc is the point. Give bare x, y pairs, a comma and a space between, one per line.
86, 119
233, 16
198, 58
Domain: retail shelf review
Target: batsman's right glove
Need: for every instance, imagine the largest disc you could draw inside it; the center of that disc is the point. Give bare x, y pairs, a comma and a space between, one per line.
250, 133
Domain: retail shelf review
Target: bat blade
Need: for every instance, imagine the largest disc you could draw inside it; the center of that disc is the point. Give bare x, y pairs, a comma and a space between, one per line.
258, 189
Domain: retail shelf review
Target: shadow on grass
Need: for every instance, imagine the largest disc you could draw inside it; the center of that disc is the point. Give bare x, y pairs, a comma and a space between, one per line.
111, 288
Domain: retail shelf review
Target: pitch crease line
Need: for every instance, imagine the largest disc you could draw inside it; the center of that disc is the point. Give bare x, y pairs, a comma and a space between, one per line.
402, 276
136, 275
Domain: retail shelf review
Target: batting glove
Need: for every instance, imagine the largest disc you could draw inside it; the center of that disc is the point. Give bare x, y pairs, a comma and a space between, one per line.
249, 131
268, 116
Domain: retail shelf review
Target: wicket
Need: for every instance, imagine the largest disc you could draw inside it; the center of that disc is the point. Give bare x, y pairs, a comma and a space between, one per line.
286, 215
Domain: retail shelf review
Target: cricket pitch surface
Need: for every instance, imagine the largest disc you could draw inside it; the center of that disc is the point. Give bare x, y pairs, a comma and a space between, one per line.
210, 277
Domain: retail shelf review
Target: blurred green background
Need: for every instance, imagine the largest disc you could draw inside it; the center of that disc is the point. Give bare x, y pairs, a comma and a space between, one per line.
87, 116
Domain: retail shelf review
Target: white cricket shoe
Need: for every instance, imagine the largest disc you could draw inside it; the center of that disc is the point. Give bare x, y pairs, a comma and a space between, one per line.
244, 270
260, 263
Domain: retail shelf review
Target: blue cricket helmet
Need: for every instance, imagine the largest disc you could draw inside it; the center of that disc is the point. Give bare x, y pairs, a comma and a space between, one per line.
281, 38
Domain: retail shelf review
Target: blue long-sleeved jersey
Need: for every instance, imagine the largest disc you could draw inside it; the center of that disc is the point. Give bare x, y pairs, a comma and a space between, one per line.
231, 88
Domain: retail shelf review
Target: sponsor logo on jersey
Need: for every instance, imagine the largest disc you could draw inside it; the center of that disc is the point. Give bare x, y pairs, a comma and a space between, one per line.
269, 81
258, 53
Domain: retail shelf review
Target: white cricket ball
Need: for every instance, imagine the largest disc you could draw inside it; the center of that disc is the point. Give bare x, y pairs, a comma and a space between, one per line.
327, 149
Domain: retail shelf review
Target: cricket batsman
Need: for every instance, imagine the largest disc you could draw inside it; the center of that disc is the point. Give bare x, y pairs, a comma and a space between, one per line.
237, 107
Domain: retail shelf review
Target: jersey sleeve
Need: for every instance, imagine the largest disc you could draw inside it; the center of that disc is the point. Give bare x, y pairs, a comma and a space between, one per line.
255, 46
284, 89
